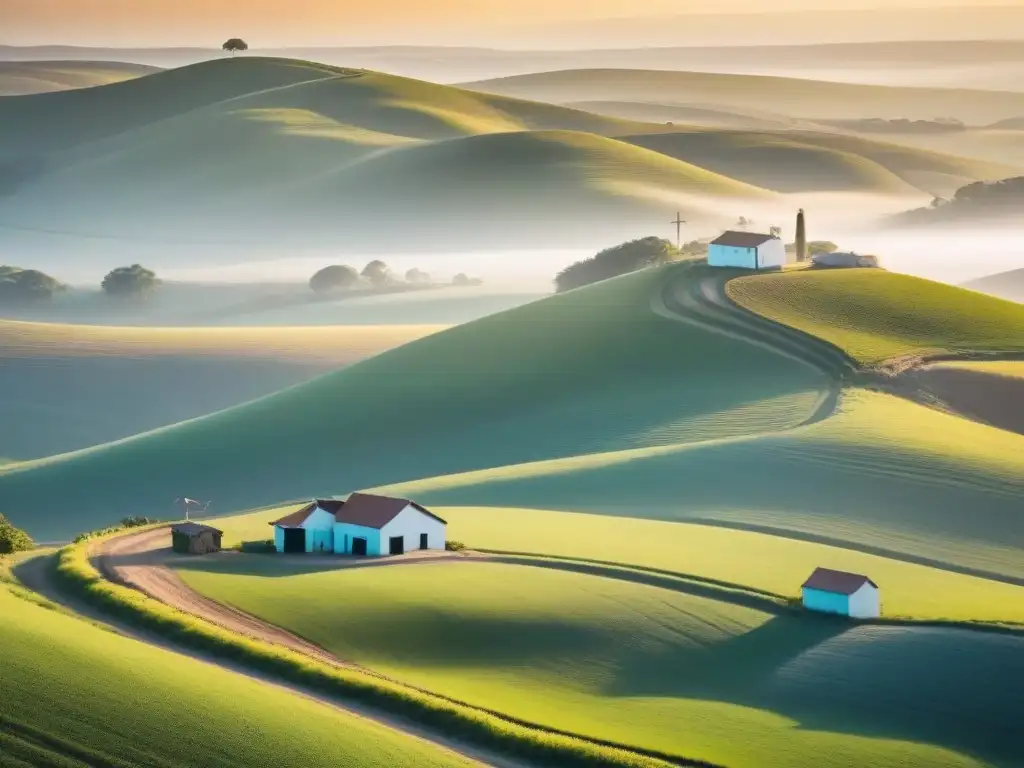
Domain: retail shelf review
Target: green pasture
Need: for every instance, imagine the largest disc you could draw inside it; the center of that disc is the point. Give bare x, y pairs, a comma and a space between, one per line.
875, 315
74, 695
586, 372
881, 475
716, 679
1008, 369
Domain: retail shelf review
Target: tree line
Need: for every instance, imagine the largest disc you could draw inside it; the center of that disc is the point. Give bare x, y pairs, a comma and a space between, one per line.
339, 277
23, 286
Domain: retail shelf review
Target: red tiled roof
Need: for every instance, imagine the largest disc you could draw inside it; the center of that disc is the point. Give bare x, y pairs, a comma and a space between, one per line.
741, 239
371, 511
839, 582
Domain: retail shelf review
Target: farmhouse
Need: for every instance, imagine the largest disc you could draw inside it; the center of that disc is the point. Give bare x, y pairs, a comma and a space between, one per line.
747, 250
195, 539
364, 524
848, 594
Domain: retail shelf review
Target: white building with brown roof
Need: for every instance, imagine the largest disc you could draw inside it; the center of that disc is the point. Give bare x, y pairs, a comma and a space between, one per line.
364, 524
848, 594
746, 250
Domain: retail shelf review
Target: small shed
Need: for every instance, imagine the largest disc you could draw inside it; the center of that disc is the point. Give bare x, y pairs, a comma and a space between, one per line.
747, 250
848, 594
195, 539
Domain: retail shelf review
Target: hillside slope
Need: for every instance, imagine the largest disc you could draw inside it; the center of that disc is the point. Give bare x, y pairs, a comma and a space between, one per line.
78, 695
22, 78
66, 387
811, 99
587, 371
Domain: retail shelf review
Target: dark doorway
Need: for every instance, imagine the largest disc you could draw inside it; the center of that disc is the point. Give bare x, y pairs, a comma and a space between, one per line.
358, 546
397, 545
294, 539
424, 543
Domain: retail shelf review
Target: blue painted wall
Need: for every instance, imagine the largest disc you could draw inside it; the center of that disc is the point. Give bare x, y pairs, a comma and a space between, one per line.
345, 532
731, 256
828, 602
279, 538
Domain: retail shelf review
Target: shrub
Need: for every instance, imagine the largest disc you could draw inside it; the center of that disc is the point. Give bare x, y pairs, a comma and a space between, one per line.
619, 260
454, 546
258, 547
13, 539
377, 273
333, 277
135, 522
135, 280
26, 285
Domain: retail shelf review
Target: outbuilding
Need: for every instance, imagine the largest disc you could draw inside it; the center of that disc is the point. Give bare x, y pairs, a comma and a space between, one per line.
747, 250
195, 539
381, 525
841, 260
848, 594
310, 529
364, 524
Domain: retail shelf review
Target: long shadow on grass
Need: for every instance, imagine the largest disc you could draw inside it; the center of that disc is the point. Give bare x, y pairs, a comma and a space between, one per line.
947, 687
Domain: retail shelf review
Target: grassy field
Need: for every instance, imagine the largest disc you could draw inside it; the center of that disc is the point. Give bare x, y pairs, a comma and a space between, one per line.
19, 78
588, 371
654, 667
882, 475
75, 695
802, 98
775, 565
875, 315
67, 387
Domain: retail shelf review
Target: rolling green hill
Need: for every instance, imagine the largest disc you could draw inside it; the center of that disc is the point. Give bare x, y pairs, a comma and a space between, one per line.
587, 371
805, 161
67, 387
253, 150
715, 679
875, 315
19, 78
811, 99
75, 695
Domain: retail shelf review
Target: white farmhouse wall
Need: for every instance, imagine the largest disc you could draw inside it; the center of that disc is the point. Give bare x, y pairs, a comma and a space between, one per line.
730, 256
319, 531
410, 523
771, 254
865, 603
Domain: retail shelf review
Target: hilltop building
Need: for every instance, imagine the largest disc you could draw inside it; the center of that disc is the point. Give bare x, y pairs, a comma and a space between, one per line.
365, 524
839, 260
747, 250
195, 539
848, 594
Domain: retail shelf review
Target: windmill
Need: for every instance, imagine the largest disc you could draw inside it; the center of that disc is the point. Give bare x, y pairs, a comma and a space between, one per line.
188, 504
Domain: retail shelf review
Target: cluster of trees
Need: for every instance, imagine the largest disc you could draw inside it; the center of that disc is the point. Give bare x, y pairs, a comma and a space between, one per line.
26, 285
377, 274
611, 262
13, 539
19, 285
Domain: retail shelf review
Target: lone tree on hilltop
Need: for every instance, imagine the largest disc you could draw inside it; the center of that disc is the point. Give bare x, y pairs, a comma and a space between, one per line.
234, 45
801, 237
13, 539
333, 277
135, 280
377, 272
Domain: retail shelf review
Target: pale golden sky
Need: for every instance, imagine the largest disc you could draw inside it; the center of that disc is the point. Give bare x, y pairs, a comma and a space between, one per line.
317, 22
